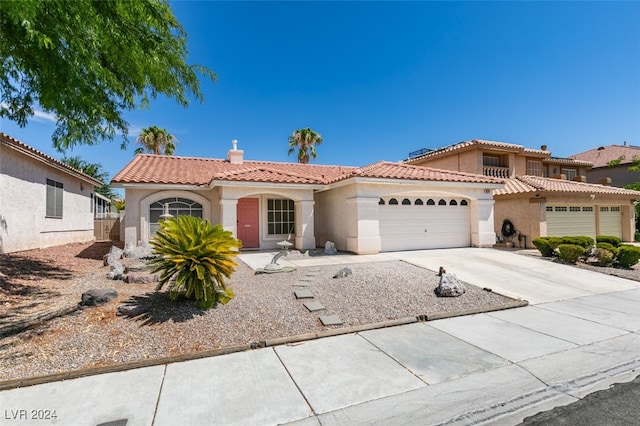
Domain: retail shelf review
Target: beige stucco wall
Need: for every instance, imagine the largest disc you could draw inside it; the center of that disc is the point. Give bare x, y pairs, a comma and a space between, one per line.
23, 225
349, 212
220, 207
528, 214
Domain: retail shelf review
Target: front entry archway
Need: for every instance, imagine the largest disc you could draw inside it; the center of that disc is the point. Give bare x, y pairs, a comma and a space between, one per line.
248, 222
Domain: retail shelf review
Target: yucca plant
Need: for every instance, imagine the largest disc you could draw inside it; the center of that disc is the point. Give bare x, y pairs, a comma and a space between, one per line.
195, 258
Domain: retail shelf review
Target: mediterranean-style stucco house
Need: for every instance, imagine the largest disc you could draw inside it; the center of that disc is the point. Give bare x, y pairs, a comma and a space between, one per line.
611, 163
381, 207
43, 202
544, 195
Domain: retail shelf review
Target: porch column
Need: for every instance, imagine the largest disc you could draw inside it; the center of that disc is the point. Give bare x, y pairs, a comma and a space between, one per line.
363, 232
229, 215
628, 217
482, 226
305, 233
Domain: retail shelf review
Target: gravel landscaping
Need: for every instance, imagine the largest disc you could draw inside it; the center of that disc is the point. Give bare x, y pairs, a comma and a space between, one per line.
38, 282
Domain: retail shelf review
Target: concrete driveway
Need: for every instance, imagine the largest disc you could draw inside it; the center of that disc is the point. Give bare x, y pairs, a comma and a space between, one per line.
516, 275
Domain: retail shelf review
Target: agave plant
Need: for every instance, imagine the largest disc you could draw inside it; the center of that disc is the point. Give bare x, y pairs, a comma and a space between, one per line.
195, 258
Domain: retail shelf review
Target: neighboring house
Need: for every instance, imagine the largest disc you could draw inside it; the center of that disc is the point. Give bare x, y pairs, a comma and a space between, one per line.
381, 207
611, 164
102, 206
43, 202
544, 195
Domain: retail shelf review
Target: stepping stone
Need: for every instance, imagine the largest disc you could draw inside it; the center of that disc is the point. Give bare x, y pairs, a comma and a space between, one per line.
302, 284
330, 320
314, 306
303, 294
307, 279
313, 274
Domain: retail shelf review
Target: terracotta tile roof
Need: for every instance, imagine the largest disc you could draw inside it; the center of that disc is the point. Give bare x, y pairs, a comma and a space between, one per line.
602, 155
478, 143
526, 184
388, 170
41, 156
567, 162
162, 169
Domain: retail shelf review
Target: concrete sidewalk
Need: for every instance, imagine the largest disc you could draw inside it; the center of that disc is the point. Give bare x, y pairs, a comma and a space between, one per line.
493, 368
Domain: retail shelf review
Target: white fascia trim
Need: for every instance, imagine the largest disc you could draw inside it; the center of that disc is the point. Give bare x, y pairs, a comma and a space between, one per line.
236, 184
384, 181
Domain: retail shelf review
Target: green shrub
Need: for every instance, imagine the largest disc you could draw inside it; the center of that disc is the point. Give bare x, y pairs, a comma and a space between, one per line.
554, 242
628, 255
194, 258
570, 253
614, 241
608, 247
542, 244
636, 236
580, 240
604, 256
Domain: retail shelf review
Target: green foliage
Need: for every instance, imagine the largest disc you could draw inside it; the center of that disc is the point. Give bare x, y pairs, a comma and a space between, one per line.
554, 242
608, 246
582, 241
542, 244
156, 141
615, 162
604, 256
614, 241
628, 255
194, 258
94, 170
305, 141
636, 236
570, 253
88, 61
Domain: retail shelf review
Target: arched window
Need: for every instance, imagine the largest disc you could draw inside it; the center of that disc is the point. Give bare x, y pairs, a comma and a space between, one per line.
418, 202
393, 202
430, 202
453, 203
381, 202
177, 207
406, 202
442, 202
464, 203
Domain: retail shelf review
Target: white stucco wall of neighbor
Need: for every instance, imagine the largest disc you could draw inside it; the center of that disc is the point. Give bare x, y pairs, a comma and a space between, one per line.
23, 221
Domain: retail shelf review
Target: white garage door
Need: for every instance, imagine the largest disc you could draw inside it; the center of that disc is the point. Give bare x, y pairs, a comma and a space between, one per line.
423, 223
567, 220
610, 221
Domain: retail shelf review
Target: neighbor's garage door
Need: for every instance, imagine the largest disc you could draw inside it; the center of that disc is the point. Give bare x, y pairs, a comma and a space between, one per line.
610, 221
424, 223
566, 220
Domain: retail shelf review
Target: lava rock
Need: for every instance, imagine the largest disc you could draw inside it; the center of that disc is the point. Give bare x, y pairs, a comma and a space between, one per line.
97, 297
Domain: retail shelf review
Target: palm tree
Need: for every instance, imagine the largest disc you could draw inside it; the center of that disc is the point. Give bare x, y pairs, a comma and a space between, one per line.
305, 140
94, 170
156, 141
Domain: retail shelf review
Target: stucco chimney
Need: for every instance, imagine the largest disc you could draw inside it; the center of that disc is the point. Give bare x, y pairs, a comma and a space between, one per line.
235, 155
543, 148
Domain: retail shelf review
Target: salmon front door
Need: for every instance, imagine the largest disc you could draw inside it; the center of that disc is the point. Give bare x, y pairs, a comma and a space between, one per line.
248, 220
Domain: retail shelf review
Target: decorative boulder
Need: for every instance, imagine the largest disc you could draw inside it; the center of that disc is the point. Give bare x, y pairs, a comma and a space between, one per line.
141, 278
142, 251
116, 271
112, 257
343, 273
450, 286
330, 248
97, 297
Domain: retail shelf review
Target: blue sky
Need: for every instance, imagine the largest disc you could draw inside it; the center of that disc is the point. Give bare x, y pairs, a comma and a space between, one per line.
380, 79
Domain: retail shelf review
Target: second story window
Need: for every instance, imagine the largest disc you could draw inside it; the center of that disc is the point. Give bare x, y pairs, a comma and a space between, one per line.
534, 168
491, 160
570, 173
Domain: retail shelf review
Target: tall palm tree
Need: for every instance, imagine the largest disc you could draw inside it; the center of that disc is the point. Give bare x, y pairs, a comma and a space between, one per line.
156, 140
305, 140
